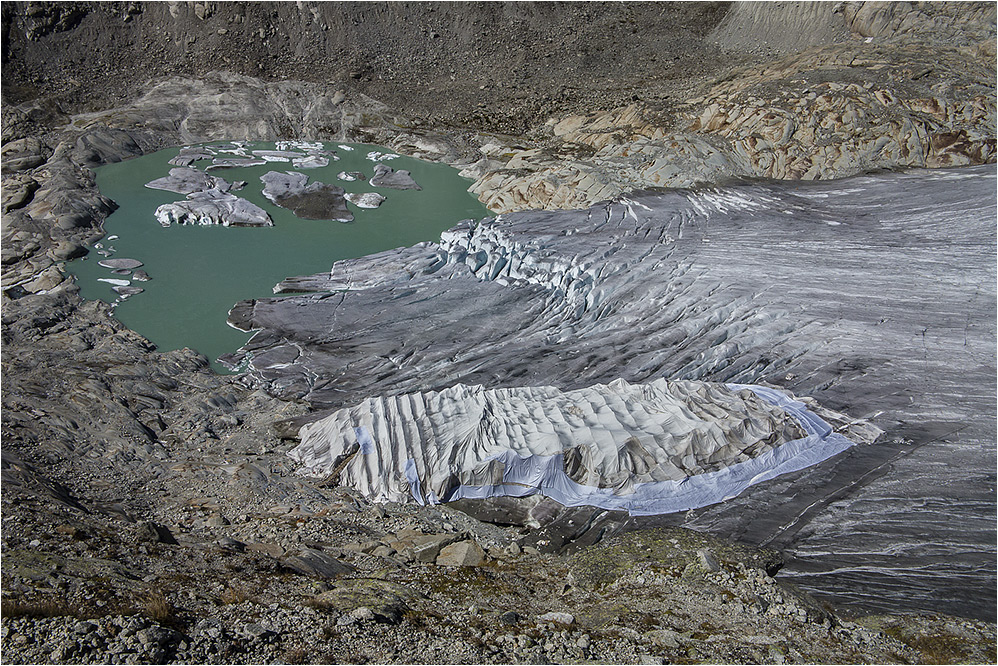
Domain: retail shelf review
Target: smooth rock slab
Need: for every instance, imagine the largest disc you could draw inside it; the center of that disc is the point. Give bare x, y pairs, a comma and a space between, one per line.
385, 176
214, 207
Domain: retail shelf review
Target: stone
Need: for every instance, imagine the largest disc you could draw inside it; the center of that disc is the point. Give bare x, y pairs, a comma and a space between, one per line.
351, 176
385, 176
707, 561
271, 549
663, 638
316, 563
103, 145
566, 619
23, 154
67, 250
45, 281
153, 532
461, 554
426, 548
17, 192
255, 631
387, 601
127, 290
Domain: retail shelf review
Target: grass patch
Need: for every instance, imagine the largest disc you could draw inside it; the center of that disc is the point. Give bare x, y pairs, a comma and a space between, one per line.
40, 608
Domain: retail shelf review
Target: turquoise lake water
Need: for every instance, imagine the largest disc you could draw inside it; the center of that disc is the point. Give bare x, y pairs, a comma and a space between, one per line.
199, 272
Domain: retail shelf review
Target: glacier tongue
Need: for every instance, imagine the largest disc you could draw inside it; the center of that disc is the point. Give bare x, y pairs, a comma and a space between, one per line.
644, 448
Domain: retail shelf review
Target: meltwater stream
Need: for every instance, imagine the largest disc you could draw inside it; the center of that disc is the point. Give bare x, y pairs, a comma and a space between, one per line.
198, 272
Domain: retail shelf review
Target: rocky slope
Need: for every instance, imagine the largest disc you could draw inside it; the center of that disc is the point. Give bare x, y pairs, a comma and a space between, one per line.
150, 513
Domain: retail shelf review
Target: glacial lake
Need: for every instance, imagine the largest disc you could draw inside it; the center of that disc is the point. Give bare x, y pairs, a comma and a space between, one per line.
197, 273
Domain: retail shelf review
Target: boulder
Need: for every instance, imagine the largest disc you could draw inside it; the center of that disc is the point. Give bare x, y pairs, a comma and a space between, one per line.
387, 601
461, 554
312, 562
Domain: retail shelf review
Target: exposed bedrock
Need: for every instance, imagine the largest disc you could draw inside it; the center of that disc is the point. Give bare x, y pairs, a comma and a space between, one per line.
804, 288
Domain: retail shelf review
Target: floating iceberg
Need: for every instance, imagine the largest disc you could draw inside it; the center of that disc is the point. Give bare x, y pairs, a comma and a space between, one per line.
650, 448
378, 156
365, 200
185, 180
308, 146
214, 207
276, 155
385, 176
315, 201
310, 162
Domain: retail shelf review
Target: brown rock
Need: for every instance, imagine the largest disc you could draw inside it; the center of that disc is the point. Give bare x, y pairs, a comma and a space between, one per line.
462, 554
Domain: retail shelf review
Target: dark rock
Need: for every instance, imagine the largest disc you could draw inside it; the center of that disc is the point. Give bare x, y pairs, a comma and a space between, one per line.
510, 617
313, 562
152, 532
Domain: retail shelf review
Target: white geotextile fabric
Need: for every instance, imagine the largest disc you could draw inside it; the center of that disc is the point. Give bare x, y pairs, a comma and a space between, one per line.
648, 448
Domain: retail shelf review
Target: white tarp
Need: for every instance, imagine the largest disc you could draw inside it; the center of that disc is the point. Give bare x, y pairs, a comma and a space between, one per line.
648, 448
